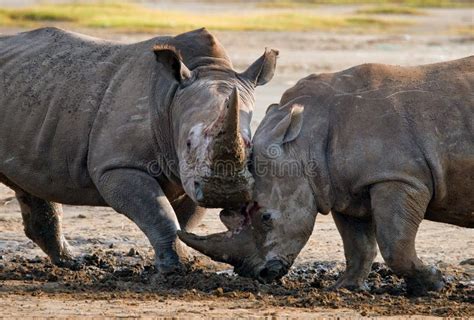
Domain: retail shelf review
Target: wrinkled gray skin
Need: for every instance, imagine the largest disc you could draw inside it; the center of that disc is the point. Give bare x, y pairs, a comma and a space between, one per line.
137, 127
381, 147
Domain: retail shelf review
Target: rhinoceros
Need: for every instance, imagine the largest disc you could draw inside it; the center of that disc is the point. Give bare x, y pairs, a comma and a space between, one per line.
381, 147
144, 128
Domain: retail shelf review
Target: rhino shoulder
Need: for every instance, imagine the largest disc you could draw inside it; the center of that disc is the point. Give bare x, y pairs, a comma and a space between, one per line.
46, 35
313, 85
43, 31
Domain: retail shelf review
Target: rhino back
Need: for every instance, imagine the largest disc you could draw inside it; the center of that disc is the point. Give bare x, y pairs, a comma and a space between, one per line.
53, 83
412, 124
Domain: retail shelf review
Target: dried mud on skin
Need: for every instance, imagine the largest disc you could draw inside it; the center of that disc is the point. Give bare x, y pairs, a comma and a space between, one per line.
106, 275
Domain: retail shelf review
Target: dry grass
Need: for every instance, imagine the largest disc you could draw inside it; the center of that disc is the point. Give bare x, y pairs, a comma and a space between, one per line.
410, 3
464, 31
134, 18
392, 9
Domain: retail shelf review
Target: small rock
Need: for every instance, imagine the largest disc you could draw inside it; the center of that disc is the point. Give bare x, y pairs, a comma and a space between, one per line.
219, 292
111, 246
290, 300
81, 216
132, 252
35, 260
344, 291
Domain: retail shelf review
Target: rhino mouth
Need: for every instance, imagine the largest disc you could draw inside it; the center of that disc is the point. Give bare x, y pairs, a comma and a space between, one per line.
217, 191
233, 246
234, 220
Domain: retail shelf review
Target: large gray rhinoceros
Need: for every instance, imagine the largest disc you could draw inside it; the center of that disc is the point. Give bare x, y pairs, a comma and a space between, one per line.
381, 147
149, 129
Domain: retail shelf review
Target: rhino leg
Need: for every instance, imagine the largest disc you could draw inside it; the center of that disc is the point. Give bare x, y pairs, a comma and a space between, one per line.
188, 212
398, 210
42, 223
139, 196
360, 249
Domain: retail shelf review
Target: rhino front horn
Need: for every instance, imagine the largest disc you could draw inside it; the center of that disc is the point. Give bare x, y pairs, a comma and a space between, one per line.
229, 146
228, 247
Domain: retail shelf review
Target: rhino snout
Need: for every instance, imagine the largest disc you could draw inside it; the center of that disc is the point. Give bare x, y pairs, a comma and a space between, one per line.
273, 270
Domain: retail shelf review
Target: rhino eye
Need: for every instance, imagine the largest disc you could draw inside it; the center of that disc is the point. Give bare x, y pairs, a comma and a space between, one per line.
188, 144
266, 217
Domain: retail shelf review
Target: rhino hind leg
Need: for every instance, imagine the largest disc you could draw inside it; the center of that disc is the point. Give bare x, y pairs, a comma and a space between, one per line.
42, 223
360, 249
398, 210
188, 212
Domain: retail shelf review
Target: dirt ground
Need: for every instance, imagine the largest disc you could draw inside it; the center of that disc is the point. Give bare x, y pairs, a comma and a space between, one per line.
118, 278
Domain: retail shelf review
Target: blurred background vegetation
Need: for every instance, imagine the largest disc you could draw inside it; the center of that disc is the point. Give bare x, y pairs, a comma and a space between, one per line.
265, 15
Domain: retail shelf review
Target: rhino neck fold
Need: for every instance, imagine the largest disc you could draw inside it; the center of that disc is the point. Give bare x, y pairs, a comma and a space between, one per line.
317, 173
207, 62
163, 93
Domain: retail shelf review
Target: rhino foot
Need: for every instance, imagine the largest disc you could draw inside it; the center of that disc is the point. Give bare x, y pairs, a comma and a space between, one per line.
350, 284
172, 260
170, 268
69, 263
423, 281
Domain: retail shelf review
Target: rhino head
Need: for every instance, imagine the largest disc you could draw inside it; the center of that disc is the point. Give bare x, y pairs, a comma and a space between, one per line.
267, 234
210, 114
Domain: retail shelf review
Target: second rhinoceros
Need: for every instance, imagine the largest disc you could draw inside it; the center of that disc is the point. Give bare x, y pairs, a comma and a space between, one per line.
381, 147
144, 128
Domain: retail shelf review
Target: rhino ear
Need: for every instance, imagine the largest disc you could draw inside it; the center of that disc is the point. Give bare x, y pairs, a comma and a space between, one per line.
288, 128
262, 70
271, 107
172, 62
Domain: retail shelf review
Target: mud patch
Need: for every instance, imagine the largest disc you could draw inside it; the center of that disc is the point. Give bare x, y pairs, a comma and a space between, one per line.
112, 274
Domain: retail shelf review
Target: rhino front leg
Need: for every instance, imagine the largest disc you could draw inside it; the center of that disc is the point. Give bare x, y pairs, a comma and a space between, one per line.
42, 223
398, 210
188, 212
138, 196
360, 249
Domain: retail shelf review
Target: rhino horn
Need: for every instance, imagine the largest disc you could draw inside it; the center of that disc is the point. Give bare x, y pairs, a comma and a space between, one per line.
229, 247
229, 145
